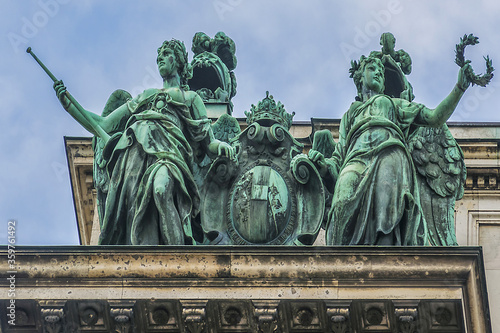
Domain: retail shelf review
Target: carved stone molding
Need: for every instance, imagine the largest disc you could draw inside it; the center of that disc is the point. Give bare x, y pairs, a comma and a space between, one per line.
194, 315
339, 317
228, 315
239, 316
122, 318
406, 319
52, 320
266, 313
248, 289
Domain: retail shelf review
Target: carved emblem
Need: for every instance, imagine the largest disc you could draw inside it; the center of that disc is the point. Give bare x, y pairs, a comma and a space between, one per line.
261, 207
273, 196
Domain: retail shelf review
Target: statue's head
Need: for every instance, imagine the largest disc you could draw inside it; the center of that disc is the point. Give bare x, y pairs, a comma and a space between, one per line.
182, 65
368, 74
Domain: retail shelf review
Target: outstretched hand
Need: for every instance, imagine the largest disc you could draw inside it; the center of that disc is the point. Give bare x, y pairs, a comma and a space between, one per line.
61, 94
464, 81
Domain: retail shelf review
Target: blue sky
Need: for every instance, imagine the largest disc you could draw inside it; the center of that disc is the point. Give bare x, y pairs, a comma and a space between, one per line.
298, 50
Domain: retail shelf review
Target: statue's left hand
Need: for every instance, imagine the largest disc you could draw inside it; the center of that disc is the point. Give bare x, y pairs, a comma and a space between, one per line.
464, 81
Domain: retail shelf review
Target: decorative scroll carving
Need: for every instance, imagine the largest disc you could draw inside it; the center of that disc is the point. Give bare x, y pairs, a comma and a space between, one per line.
339, 319
406, 319
266, 314
52, 320
194, 315
123, 319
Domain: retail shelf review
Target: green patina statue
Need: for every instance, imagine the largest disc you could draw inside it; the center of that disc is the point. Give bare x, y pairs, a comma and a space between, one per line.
384, 138
144, 159
391, 179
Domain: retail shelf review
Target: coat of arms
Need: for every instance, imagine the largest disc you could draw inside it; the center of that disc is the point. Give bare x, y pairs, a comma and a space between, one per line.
273, 196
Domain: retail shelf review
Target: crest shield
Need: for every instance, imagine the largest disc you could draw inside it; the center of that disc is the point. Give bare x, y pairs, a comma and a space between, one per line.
273, 196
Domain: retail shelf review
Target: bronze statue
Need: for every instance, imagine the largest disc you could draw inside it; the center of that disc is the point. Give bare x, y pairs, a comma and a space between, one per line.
372, 173
150, 195
394, 174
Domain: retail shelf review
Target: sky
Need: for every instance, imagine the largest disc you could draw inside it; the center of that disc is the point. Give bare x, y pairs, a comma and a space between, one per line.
300, 51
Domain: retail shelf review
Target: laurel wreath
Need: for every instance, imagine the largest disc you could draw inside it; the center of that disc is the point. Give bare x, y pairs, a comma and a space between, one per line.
480, 80
355, 66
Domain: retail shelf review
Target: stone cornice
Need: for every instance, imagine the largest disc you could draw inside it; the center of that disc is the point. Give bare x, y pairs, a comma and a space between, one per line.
254, 273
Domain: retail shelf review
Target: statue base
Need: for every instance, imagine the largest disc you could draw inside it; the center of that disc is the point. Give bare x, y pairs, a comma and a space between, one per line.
244, 289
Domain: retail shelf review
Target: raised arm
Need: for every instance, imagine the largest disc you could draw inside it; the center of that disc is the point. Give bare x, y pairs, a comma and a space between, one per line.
438, 116
108, 124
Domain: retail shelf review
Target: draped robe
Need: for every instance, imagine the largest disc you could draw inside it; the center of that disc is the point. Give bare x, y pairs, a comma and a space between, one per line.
376, 198
159, 132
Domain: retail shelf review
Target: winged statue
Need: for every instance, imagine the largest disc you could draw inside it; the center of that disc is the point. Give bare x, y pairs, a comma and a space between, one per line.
396, 170
144, 151
101, 177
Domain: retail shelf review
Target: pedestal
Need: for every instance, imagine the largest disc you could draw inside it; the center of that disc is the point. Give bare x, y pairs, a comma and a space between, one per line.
245, 289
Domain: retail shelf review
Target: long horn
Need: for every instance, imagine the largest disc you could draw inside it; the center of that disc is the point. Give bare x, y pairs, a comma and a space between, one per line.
95, 126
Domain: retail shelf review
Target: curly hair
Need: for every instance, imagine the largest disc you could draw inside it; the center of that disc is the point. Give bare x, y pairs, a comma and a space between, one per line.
357, 73
181, 57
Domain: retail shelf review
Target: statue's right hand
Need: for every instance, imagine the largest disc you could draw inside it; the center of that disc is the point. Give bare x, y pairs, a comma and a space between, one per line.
464, 76
61, 94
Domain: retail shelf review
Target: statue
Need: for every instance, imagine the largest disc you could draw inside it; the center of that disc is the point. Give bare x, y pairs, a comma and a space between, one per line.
440, 164
147, 192
393, 176
372, 172
273, 196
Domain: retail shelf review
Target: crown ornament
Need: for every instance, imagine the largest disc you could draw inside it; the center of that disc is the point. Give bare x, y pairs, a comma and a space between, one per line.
268, 111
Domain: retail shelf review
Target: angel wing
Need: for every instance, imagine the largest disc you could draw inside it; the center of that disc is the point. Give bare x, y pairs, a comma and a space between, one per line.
224, 129
441, 174
324, 143
101, 177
